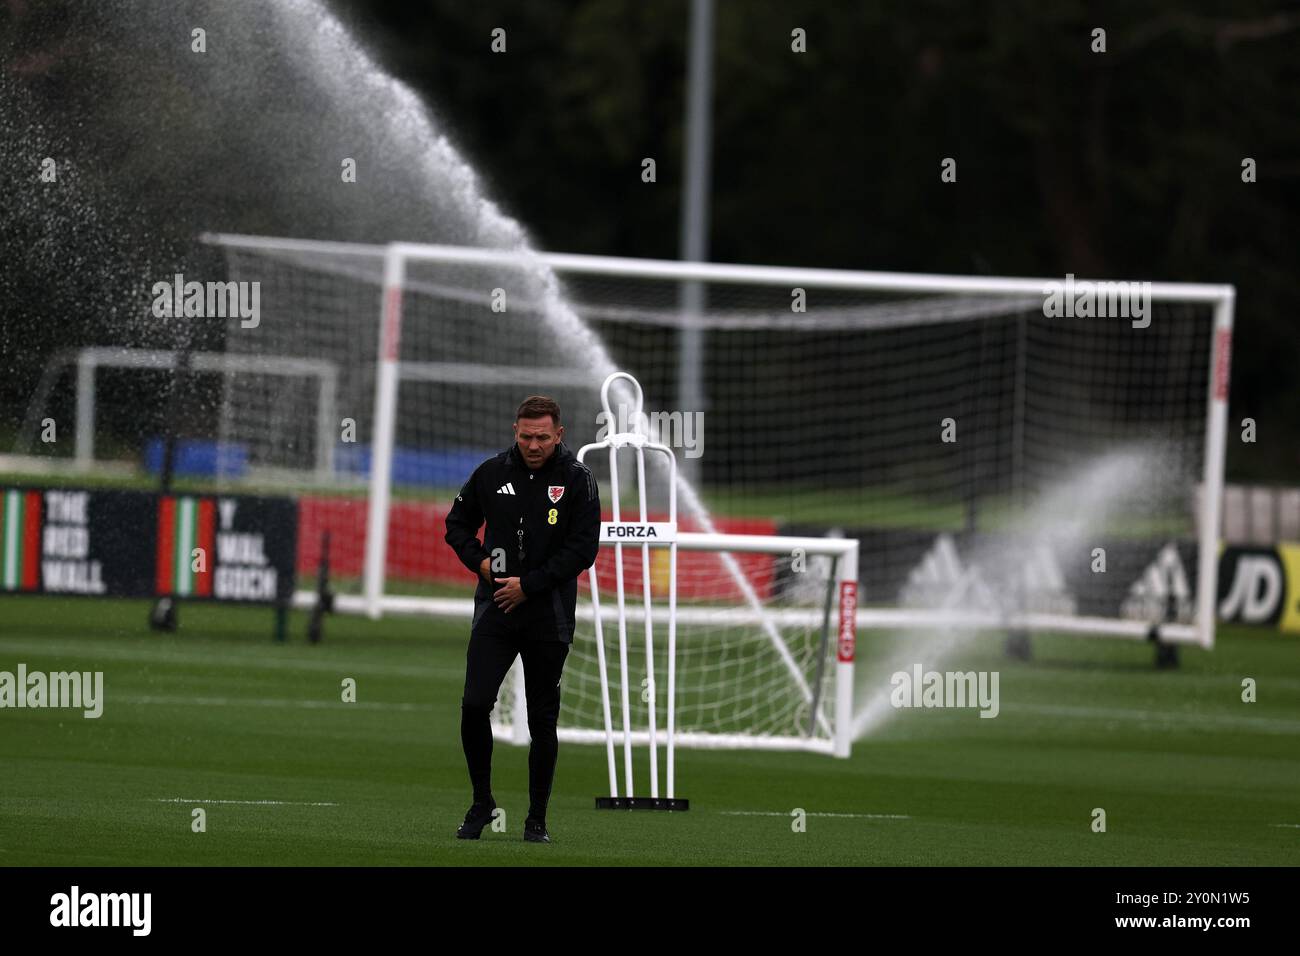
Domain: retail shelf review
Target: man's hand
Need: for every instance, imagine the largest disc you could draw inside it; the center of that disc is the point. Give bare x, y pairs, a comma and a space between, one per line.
510, 596
485, 570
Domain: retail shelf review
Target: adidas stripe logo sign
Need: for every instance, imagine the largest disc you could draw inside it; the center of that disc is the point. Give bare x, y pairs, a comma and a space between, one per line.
941, 581
1163, 578
1042, 585
507, 489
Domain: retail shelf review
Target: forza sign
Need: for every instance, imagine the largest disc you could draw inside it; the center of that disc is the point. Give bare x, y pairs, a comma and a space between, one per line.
638, 532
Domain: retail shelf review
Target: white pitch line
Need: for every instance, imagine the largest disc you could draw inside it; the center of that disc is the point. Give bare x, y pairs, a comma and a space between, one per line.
267, 702
1191, 719
101, 649
777, 813
248, 803
1290, 826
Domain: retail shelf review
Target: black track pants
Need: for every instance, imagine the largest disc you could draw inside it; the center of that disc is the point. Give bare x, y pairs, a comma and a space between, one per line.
491, 653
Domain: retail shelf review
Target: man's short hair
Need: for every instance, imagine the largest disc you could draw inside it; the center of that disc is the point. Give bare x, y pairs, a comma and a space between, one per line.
539, 406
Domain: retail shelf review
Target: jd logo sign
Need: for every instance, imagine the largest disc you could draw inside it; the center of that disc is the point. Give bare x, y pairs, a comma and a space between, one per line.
1251, 586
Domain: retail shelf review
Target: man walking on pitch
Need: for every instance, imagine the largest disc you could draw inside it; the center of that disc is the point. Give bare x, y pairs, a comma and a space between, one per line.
542, 509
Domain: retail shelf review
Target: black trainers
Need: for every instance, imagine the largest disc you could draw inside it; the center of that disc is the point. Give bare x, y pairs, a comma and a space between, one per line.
479, 816
535, 831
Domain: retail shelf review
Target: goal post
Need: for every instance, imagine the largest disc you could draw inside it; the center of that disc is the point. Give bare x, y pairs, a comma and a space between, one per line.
387, 353
853, 376
1216, 439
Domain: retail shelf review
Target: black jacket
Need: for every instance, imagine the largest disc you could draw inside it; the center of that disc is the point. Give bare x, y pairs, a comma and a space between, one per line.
547, 523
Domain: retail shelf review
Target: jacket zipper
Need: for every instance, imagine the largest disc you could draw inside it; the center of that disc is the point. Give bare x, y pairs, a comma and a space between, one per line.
520, 532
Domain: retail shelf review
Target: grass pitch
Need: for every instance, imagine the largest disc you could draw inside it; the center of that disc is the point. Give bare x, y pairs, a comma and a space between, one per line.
219, 717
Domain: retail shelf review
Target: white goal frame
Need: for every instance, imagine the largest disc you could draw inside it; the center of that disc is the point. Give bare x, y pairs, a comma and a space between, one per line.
394, 258
844, 624
88, 360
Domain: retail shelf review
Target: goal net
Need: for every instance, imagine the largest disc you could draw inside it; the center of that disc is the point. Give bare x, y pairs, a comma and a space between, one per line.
763, 659
1005, 455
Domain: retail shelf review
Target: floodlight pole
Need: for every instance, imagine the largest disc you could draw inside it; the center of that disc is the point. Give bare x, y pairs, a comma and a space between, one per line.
695, 213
